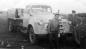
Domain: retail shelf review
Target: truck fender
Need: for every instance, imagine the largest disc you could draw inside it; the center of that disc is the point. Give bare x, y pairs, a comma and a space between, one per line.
34, 27
29, 26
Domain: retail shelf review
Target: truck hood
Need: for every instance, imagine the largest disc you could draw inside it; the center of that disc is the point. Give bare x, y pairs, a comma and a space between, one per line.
44, 17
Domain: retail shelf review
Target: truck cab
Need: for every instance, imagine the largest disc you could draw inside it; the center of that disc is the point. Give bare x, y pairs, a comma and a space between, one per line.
39, 19
35, 19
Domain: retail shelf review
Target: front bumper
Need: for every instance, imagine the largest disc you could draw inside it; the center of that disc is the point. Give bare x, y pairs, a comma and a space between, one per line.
41, 36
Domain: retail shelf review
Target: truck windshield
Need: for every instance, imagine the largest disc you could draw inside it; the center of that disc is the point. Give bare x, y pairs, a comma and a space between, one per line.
41, 10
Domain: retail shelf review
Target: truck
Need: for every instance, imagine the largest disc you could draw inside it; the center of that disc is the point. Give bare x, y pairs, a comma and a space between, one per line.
32, 21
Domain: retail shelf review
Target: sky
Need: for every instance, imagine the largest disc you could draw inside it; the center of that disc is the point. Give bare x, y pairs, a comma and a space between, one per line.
65, 6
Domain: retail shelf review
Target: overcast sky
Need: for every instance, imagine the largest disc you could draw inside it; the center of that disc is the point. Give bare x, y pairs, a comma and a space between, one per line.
65, 6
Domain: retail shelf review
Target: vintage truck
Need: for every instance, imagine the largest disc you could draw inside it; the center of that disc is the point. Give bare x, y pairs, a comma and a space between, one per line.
32, 21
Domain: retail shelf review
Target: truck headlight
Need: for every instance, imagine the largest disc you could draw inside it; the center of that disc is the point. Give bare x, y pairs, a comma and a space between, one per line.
43, 25
39, 23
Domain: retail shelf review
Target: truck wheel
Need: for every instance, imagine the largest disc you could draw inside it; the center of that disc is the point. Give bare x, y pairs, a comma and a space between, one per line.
32, 36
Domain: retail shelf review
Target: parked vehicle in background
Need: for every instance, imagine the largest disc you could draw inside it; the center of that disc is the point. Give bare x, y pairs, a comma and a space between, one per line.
14, 19
82, 16
81, 29
32, 21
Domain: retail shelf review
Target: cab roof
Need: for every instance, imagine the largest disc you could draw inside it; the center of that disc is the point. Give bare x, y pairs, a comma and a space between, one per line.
37, 6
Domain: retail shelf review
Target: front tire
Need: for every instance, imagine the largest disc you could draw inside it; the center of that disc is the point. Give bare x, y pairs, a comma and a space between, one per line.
32, 36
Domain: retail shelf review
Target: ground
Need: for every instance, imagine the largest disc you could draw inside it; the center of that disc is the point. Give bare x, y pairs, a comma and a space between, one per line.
16, 40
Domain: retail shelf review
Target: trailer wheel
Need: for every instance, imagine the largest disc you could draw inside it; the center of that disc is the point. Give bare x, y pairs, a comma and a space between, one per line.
32, 36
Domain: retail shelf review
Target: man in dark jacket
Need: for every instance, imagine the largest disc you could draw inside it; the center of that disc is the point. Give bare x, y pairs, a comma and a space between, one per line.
74, 26
53, 32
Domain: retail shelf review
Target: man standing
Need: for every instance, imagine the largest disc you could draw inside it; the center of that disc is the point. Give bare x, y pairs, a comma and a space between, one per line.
53, 27
74, 26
